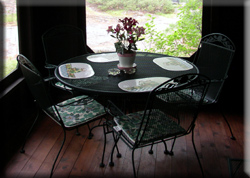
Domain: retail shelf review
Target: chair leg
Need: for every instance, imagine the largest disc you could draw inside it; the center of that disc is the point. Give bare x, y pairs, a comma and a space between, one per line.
219, 107
171, 153
232, 136
77, 132
106, 131
90, 132
64, 138
197, 154
31, 128
133, 163
117, 149
111, 163
166, 149
104, 146
90, 129
151, 149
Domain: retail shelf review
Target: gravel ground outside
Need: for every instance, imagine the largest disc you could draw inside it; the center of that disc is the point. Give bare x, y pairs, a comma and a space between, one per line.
97, 24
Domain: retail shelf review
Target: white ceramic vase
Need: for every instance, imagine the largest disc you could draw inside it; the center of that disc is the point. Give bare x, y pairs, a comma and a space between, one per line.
126, 60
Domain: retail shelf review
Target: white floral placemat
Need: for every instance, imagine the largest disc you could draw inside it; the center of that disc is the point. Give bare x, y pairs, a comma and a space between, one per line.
172, 63
105, 57
142, 85
76, 70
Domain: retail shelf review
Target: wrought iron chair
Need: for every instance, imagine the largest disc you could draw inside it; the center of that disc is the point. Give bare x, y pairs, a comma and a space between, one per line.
68, 114
213, 59
168, 114
61, 43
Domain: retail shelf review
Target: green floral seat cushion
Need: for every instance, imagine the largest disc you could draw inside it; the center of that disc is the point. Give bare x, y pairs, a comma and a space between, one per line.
77, 110
159, 127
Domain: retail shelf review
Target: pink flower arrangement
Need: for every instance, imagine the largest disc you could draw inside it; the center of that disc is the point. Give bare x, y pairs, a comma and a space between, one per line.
127, 35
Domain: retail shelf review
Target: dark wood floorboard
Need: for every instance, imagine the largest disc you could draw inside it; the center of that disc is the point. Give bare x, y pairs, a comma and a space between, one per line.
81, 156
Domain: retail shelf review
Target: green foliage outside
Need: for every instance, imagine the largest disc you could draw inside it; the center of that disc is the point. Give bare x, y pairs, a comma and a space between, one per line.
10, 18
156, 6
10, 65
180, 39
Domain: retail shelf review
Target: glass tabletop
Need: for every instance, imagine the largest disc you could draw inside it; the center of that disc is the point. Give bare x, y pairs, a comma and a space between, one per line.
101, 82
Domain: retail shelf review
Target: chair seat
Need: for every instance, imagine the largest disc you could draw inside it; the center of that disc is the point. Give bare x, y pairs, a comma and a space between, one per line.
161, 126
69, 114
77, 110
167, 116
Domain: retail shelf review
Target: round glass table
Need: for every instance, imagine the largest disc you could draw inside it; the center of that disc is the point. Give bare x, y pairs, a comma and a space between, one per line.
99, 81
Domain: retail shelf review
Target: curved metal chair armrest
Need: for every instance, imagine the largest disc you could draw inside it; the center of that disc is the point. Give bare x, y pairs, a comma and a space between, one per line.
50, 66
217, 81
81, 101
48, 79
113, 110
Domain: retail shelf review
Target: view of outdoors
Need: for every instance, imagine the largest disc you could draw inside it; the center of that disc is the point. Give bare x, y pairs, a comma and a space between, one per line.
173, 27
10, 36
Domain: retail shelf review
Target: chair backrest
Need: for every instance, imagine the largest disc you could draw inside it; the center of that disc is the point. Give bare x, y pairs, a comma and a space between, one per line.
63, 42
35, 83
177, 99
213, 59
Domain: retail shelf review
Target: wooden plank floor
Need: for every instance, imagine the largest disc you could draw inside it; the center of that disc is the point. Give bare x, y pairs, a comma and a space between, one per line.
81, 156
